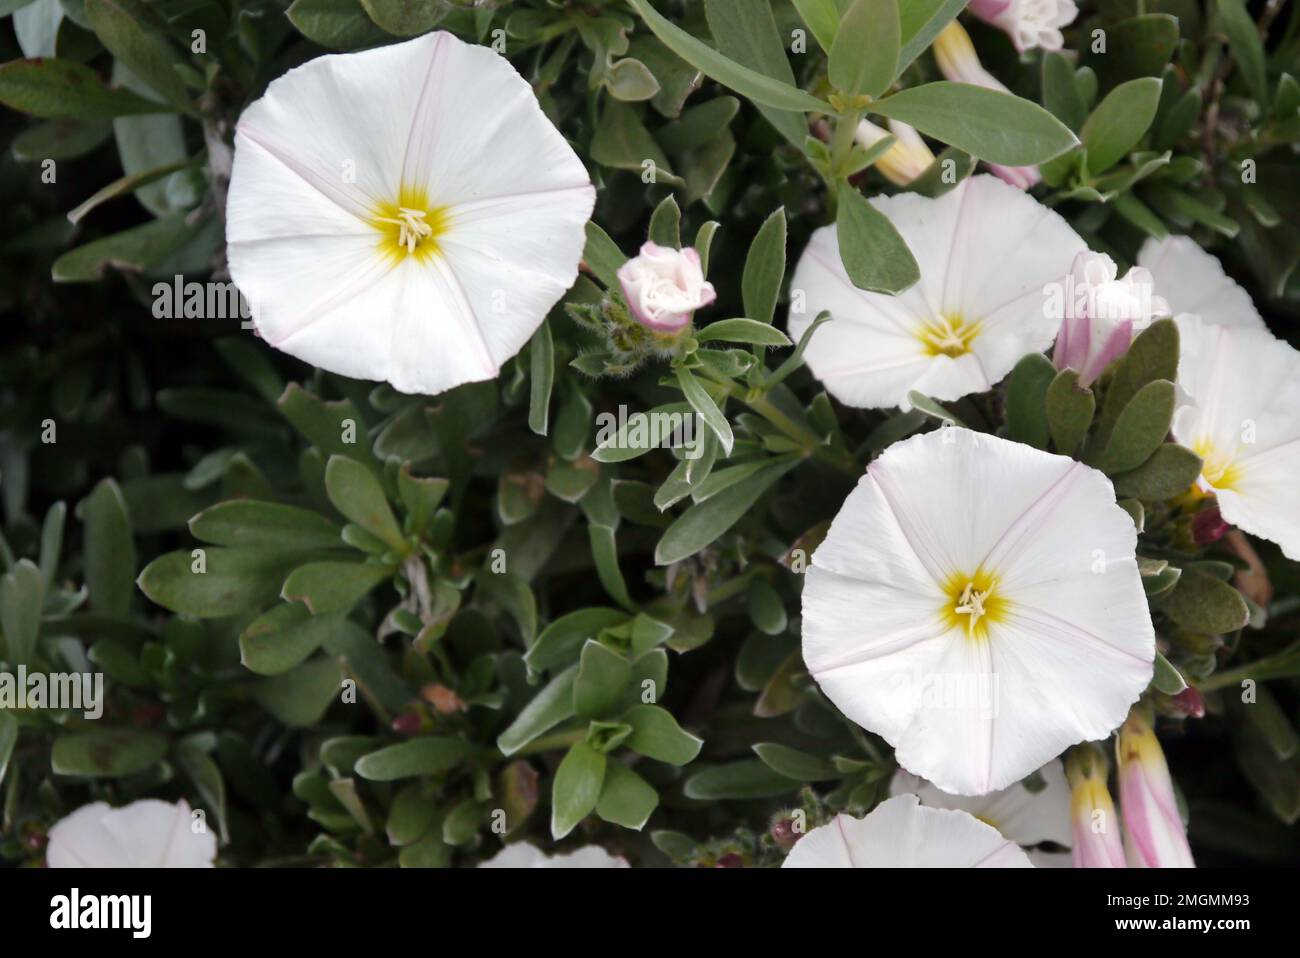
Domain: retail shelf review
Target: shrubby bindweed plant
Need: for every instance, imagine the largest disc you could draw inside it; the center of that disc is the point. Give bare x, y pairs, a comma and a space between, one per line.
641, 432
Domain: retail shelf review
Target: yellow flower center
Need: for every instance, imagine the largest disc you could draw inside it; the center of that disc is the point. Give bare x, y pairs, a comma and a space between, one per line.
948, 336
972, 603
1218, 468
410, 225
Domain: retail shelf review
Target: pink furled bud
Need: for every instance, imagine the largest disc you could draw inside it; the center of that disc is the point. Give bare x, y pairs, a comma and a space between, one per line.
1208, 526
1093, 822
1189, 702
1029, 23
1154, 836
1101, 313
664, 287
957, 60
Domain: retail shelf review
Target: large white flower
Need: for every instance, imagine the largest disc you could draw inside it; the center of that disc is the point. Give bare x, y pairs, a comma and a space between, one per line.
1193, 281
985, 252
524, 855
902, 833
1243, 420
1025, 817
144, 834
977, 603
405, 213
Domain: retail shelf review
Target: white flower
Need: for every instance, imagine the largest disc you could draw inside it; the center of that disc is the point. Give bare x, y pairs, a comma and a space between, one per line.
1024, 817
1029, 23
664, 287
144, 834
524, 855
1193, 281
1154, 835
405, 213
1242, 417
902, 833
985, 252
977, 603
1102, 313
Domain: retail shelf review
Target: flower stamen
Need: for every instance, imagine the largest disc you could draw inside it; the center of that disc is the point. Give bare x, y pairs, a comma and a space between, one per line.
411, 226
948, 336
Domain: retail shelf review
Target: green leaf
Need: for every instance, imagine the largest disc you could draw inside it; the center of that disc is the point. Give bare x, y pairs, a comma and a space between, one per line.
427, 755
547, 709
750, 83
747, 33
333, 586
110, 557
1061, 94
541, 379
410, 816
284, 637
933, 409
1247, 47
703, 404
603, 674
625, 797
874, 254
666, 222
1153, 355
298, 698
135, 250
1169, 472
864, 56
107, 753
335, 427
1069, 411
743, 331
1140, 429
577, 787
250, 522
794, 764
760, 283
1168, 679
602, 256
358, 496
60, 139
703, 522
1026, 406
749, 778
8, 739
421, 496
1119, 122
124, 187
132, 35
994, 126
656, 735
405, 18
335, 24
1137, 47
217, 582
562, 640
920, 21
822, 18
622, 142
1202, 603
765, 607
65, 88
22, 593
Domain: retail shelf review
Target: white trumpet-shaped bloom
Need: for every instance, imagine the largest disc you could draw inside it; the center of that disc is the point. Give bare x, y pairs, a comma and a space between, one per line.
902, 833
1191, 280
405, 213
1026, 817
1242, 418
985, 250
525, 855
977, 603
144, 834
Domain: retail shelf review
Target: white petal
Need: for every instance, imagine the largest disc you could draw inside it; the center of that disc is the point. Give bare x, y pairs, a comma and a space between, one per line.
985, 252
144, 834
1071, 649
525, 855
1193, 281
901, 833
1243, 409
